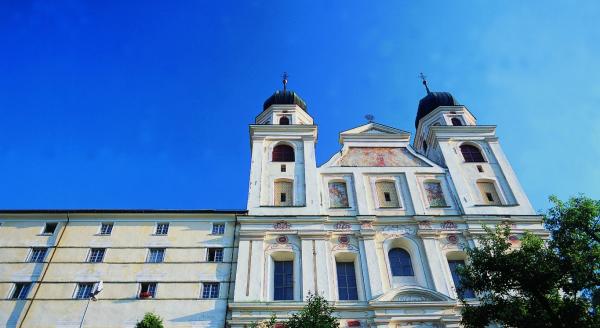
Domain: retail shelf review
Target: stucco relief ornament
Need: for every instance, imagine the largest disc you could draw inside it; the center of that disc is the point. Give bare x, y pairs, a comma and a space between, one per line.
282, 240
366, 225
424, 224
507, 223
344, 240
282, 225
342, 225
452, 239
399, 230
513, 239
449, 225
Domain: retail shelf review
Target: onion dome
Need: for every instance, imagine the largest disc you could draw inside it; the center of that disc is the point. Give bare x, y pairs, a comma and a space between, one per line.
432, 101
285, 97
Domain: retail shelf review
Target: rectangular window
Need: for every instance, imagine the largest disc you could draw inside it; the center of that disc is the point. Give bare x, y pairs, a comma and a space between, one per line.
162, 228
50, 227
346, 281
283, 168
156, 255
214, 255
84, 290
148, 290
218, 228
489, 194
210, 290
386, 194
283, 280
284, 193
21, 290
106, 228
38, 254
479, 168
454, 264
96, 255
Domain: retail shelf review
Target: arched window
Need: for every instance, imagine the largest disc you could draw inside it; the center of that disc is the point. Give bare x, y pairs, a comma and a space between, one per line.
456, 121
400, 262
284, 194
284, 120
488, 193
386, 194
283, 153
338, 195
454, 265
471, 154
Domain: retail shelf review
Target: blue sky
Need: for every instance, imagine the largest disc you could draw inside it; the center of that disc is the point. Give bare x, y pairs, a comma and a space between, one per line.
146, 104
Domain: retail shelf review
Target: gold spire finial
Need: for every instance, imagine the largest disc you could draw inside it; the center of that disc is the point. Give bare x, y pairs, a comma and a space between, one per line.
424, 79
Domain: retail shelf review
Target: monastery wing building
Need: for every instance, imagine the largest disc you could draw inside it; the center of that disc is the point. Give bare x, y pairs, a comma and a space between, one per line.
379, 230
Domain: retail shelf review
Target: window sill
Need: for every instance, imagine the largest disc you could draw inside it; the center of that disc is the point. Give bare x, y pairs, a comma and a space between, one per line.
46, 234
159, 234
277, 206
496, 205
390, 208
440, 206
102, 234
341, 208
216, 234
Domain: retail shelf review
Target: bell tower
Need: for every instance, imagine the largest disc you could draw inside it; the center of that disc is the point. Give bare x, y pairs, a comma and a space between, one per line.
283, 172
448, 134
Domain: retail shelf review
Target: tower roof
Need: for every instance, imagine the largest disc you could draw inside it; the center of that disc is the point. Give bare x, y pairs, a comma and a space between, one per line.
432, 101
285, 98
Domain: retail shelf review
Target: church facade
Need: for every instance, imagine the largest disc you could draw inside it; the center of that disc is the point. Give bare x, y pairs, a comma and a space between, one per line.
379, 230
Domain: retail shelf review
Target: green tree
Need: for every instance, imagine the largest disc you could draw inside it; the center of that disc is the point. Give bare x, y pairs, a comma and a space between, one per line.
150, 320
538, 284
317, 313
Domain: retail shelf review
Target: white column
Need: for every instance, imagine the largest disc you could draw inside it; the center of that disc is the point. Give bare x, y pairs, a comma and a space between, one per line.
241, 275
435, 261
372, 264
322, 270
308, 278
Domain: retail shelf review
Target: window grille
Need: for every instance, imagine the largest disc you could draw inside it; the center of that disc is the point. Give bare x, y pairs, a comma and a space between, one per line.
162, 228
156, 255
283, 153
218, 228
283, 280
210, 290
37, 255
471, 154
96, 255
283, 193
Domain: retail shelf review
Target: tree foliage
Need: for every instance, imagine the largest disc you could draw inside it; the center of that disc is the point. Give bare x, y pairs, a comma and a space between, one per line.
538, 284
317, 313
150, 320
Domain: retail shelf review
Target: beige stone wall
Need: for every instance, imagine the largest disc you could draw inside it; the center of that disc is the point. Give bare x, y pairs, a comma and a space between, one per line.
179, 278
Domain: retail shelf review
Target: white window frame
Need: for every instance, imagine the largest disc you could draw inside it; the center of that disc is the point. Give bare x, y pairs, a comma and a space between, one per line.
91, 256
78, 288
211, 284
158, 232
30, 258
150, 283
101, 232
212, 231
149, 256
26, 285
222, 257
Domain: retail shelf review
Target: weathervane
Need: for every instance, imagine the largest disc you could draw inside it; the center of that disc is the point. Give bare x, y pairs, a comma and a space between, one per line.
370, 118
285, 77
424, 78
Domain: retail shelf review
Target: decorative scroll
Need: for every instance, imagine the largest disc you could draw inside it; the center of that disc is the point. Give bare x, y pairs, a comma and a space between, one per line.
282, 240
380, 156
399, 230
342, 225
452, 239
282, 225
343, 239
449, 225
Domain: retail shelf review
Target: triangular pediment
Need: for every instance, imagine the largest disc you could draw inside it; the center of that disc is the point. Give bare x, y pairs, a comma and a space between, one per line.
373, 128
